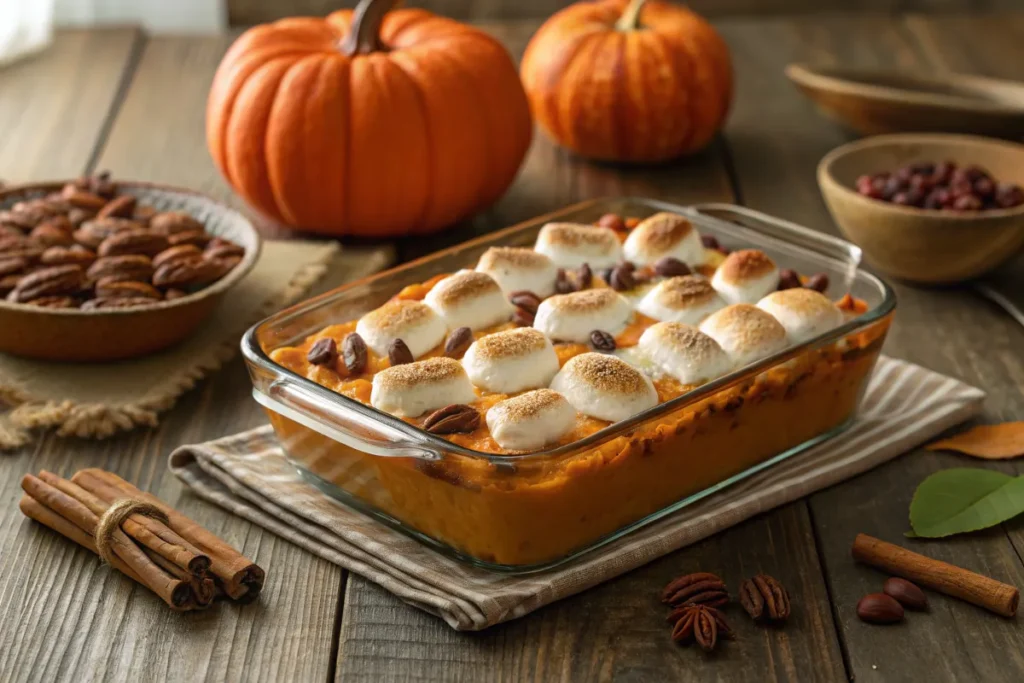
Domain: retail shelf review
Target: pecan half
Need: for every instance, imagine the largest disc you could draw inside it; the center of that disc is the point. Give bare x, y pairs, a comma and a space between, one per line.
197, 238
126, 289
765, 599
668, 266
128, 267
78, 216
788, 279
20, 247
584, 276
9, 265
522, 317
119, 207
697, 588
700, 624
184, 274
54, 231
563, 285
105, 303
602, 341
49, 281
133, 242
82, 199
399, 353
323, 352
181, 252
354, 353
54, 302
143, 213
171, 222
8, 283
93, 232
526, 300
222, 248
622, 278
458, 341
453, 419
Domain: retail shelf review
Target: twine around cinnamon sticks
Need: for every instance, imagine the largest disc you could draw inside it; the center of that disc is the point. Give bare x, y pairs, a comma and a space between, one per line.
142, 537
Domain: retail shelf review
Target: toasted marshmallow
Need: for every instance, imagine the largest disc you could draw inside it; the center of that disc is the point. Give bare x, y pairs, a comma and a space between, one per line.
572, 317
684, 352
604, 387
511, 361
469, 299
805, 313
664, 234
414, 388
413, 322
570, 245
745, 332
683, 299
746, 276
518, 269
531, 420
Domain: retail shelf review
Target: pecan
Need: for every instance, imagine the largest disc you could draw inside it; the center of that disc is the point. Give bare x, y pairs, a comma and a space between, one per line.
222, 248
133, 242
584, 276
20, 220
453, 419
668, 266
143, 213
101, 184
613, 221
354, 353
788, 279
119, 207
622, 278
78, 216
399, 353
93, 232
10, 265
184, 274
82, 199
20, 247
563, 285
194, 237
710, 242
49, 281
818, 282
115, 302
181, 252
171, 222
114, 288
699, 623
53, 302
222, 266
522, 317
698, 588
130, 267
602, 341
8, 283
458, 341
323, 352
526, 300
10, 230
54, 230
764, 599
172, 294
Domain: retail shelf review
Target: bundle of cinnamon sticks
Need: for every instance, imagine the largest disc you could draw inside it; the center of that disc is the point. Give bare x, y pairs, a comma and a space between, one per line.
142, 537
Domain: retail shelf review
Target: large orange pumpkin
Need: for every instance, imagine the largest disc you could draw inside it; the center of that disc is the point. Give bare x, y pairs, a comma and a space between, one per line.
638, 82
372, 123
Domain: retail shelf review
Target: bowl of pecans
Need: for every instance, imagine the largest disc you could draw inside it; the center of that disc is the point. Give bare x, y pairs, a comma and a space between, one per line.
96, 270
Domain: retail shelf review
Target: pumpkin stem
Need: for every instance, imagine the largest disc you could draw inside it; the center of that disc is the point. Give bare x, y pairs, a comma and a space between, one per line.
364, 36
630, 19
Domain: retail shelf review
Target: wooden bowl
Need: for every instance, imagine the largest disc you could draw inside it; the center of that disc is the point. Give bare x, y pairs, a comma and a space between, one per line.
108, 335
920, 245
873, 101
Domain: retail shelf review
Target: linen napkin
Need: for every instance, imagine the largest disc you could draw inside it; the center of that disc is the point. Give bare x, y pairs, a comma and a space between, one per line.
97, 400
905, 405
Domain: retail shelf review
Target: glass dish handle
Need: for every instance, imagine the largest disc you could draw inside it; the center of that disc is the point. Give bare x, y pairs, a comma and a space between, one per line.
824, 244
301, 405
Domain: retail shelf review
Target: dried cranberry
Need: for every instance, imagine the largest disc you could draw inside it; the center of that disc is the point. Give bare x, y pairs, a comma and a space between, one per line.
975, 173
904, 173
709, 241
923, 167
613, 221
893, 186
1009, 195
984, 188
937, 199
943, 171
863, 186
960, 177
961, 188
921, 183
967, 202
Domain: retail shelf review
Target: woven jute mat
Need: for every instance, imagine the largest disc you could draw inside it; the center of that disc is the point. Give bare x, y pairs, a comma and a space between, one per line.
101, 399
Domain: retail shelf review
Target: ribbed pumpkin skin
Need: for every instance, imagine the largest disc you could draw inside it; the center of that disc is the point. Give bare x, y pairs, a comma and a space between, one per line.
646, 95
404, 141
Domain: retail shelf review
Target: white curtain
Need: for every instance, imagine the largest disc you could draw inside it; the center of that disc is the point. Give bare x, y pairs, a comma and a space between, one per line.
26, 26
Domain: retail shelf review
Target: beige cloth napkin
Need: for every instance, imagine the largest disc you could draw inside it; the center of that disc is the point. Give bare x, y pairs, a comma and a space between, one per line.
247, 473
100, 399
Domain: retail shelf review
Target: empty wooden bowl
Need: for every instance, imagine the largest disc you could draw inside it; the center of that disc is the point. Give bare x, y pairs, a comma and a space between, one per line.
116, 334
873, 101
920, 245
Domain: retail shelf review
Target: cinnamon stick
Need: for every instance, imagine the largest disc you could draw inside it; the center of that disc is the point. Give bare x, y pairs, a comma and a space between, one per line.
176, 593
949, 579
146, 531
240, 577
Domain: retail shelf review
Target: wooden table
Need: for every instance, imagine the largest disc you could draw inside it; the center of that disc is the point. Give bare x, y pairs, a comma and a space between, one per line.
116, 99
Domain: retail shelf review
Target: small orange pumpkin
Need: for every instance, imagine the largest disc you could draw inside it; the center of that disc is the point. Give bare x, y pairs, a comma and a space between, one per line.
372, 123
643, 82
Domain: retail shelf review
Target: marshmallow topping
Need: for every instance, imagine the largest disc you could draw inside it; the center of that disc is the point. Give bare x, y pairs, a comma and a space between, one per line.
682, 299
572, 317
510, 361
684, 352
604, 387
746, 276
414, 388
413, 322
469, 299
531, 420
805, 313
570, 245
745, 332
664, 234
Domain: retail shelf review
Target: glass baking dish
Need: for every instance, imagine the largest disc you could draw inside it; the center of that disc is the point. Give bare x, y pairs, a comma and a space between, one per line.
523, 513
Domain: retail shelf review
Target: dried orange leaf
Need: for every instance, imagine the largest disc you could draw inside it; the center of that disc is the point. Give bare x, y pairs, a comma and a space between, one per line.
992, 442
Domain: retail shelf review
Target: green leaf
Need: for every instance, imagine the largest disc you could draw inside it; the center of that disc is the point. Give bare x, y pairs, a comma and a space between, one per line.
963, 499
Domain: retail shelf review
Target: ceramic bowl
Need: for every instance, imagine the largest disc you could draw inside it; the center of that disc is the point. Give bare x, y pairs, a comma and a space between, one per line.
873, 101
919, 245
108, 335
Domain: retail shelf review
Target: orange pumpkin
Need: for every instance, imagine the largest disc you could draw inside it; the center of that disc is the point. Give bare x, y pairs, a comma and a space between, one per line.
371, 123
638, 82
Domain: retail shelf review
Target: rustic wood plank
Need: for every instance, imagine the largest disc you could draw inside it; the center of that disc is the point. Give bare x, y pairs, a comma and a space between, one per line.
55, 104
615, 631
776, 139
64, 616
